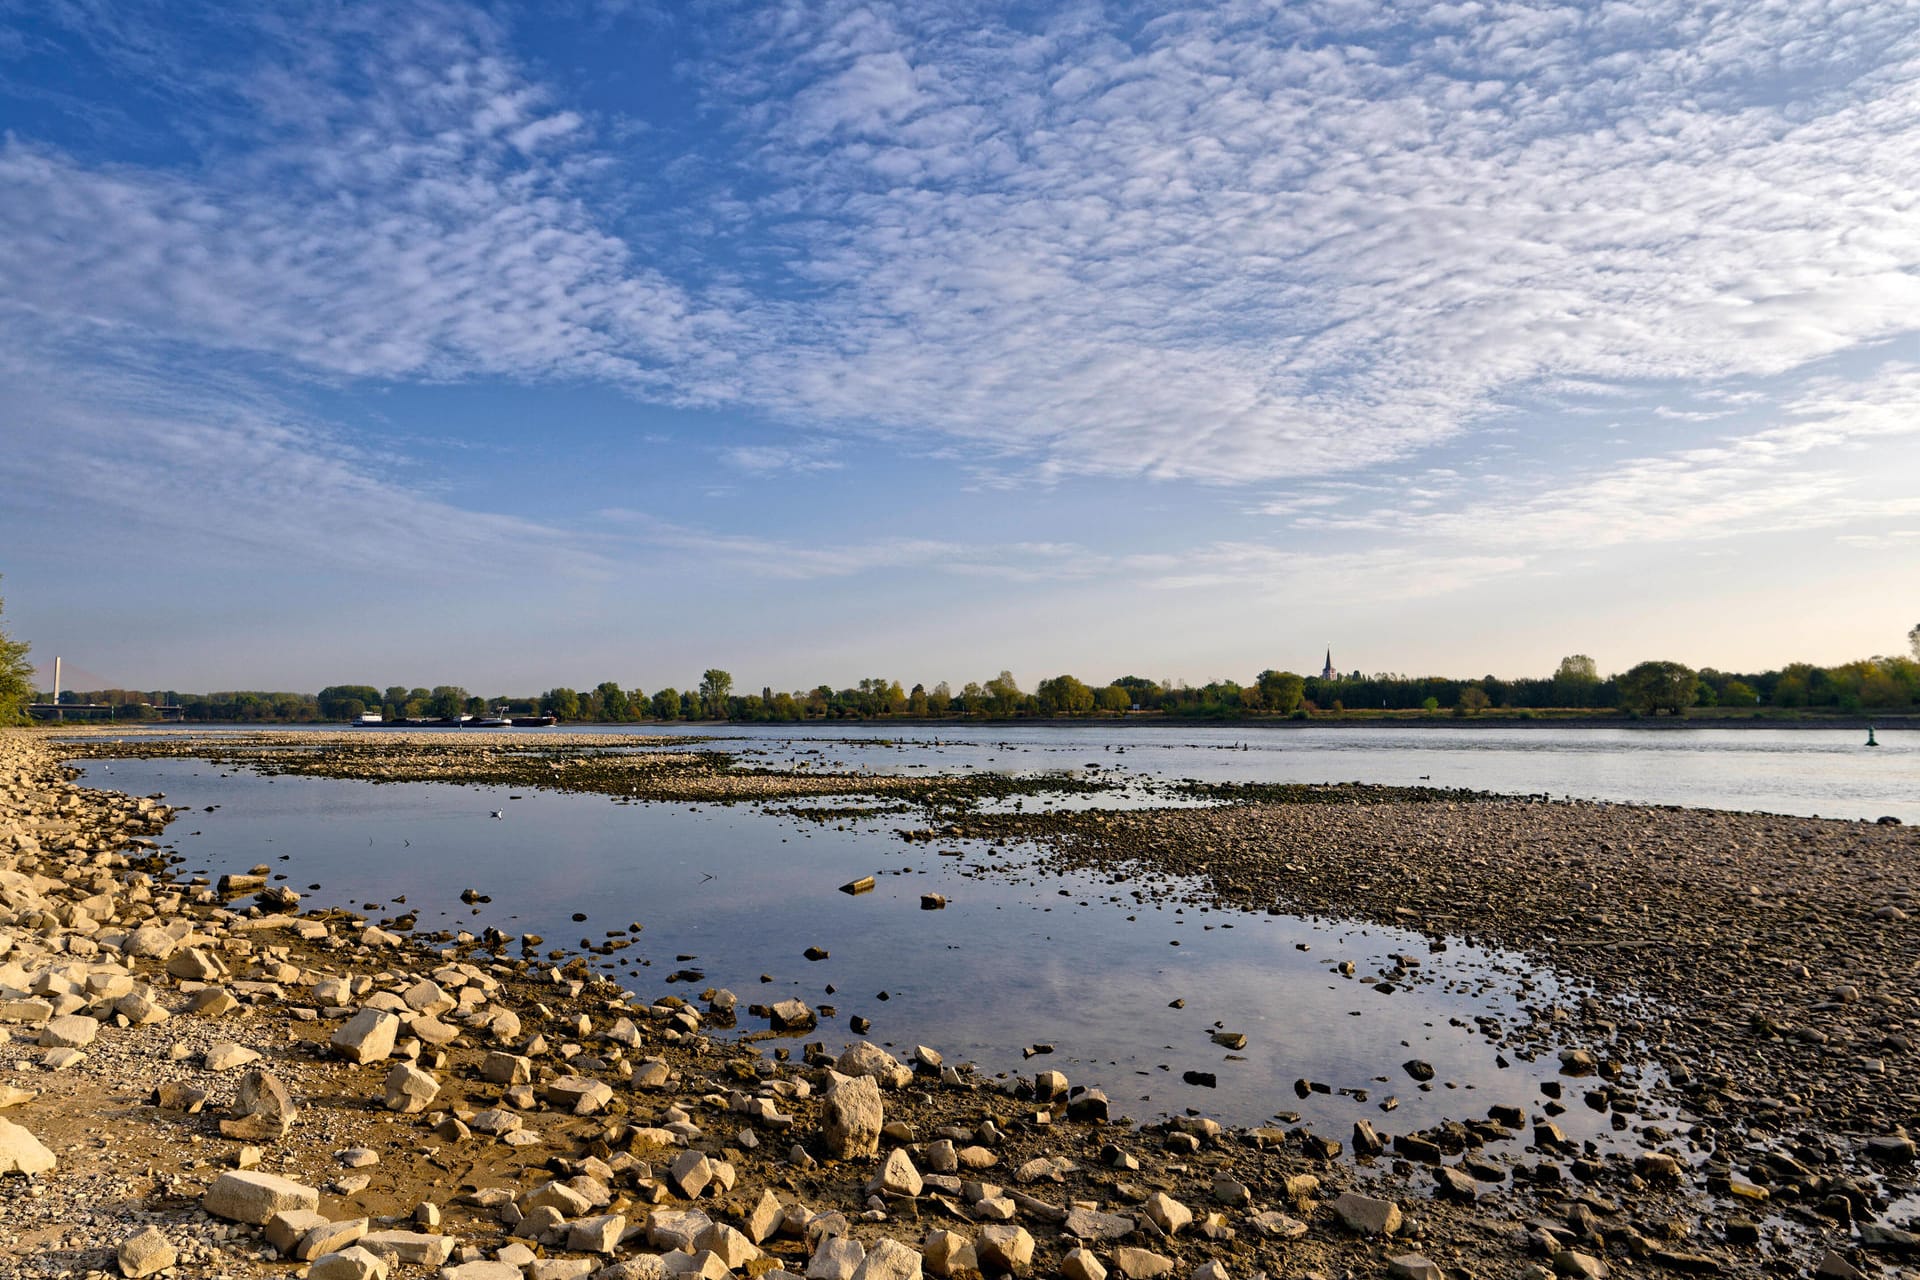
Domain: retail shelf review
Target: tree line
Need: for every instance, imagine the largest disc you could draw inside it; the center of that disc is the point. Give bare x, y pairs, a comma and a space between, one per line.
1647, 689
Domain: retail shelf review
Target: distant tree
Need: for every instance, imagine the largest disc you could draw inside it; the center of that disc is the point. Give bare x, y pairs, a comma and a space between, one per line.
1063, 695
1576, 681
1114, 698
1739, 693
1281, 691
666, 704
917, 701
334, 700
1430, 704
394, 701
447, 700
1145, 692
939, 699
1653, 687
562, 703
715, 685
613, 701
1913, 641
1473, 700
16, 677
1005, 694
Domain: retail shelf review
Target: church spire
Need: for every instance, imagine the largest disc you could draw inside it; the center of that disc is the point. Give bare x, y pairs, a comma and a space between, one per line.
1327, 672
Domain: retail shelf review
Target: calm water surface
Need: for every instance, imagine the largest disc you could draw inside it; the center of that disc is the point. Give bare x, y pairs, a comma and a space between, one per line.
1019, 959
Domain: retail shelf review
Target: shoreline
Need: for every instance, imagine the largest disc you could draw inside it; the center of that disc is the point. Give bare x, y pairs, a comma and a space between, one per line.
1896, 721
657, 1063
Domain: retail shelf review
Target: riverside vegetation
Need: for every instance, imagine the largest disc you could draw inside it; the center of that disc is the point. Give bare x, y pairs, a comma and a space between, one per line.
1883, 685
206, 1080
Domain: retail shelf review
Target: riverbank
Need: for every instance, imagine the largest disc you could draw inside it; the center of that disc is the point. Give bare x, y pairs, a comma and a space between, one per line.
549, 1119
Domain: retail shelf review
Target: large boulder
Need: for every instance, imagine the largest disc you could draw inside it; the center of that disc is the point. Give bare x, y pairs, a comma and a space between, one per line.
852, 1118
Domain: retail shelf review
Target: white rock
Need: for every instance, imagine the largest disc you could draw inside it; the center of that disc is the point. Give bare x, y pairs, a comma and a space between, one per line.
254, 1197
367, 1036
889, 1260
145, 1252
852, 1119
21, 1152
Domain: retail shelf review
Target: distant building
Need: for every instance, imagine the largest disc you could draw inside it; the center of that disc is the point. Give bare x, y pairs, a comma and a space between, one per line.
1327, 672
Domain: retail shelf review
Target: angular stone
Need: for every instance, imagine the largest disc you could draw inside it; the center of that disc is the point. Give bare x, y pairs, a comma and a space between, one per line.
21, 1152
950, 1255
1167, 1213
506, 1068
330, 1237
725, 1243
253, 1197
355, 1263
836, 1258
262, 1109
596, 1235
1091, 1224
196, 965
367, 1036
226, 1055
765, 1218
1278, 1226
482, 1269
579, 1094
897, 1177
691, 1173
676, 1229
145, 1252
1367, 1215
792, 1015
888, 1260
1578, 1265
1211, 1269
1080, 1264
1005, 1248
1141, 1264
68, 1031
285, 1230
1413, 1266
852, 1118
409, 1090
416, 1247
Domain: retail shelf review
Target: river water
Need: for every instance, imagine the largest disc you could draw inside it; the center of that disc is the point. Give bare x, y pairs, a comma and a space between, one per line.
1019, 959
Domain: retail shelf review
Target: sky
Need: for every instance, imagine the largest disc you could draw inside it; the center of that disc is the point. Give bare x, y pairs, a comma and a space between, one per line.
547, 344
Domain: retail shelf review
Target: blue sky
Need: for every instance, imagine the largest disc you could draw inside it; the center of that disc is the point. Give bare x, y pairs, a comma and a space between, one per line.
549, 344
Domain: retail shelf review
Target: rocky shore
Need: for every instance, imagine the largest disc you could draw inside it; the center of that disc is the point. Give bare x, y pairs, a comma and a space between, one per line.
202, 1080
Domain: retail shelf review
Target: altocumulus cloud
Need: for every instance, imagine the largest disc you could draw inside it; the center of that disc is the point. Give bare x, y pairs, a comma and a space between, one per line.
1221, 243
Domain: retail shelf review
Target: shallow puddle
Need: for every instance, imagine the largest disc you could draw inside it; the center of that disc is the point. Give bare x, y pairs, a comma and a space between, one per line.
1125, 983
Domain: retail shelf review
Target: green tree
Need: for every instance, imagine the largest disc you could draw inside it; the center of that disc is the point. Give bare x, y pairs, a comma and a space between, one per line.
1473, 700
1064, 695
939, 699
561, 702
447, 700
1576, 681
1281, 691
715, 685
1913, 641
1003, 694
613, 701
334, 700
1114, 698
666, 704
1739, 693
1653, 687
16, 677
